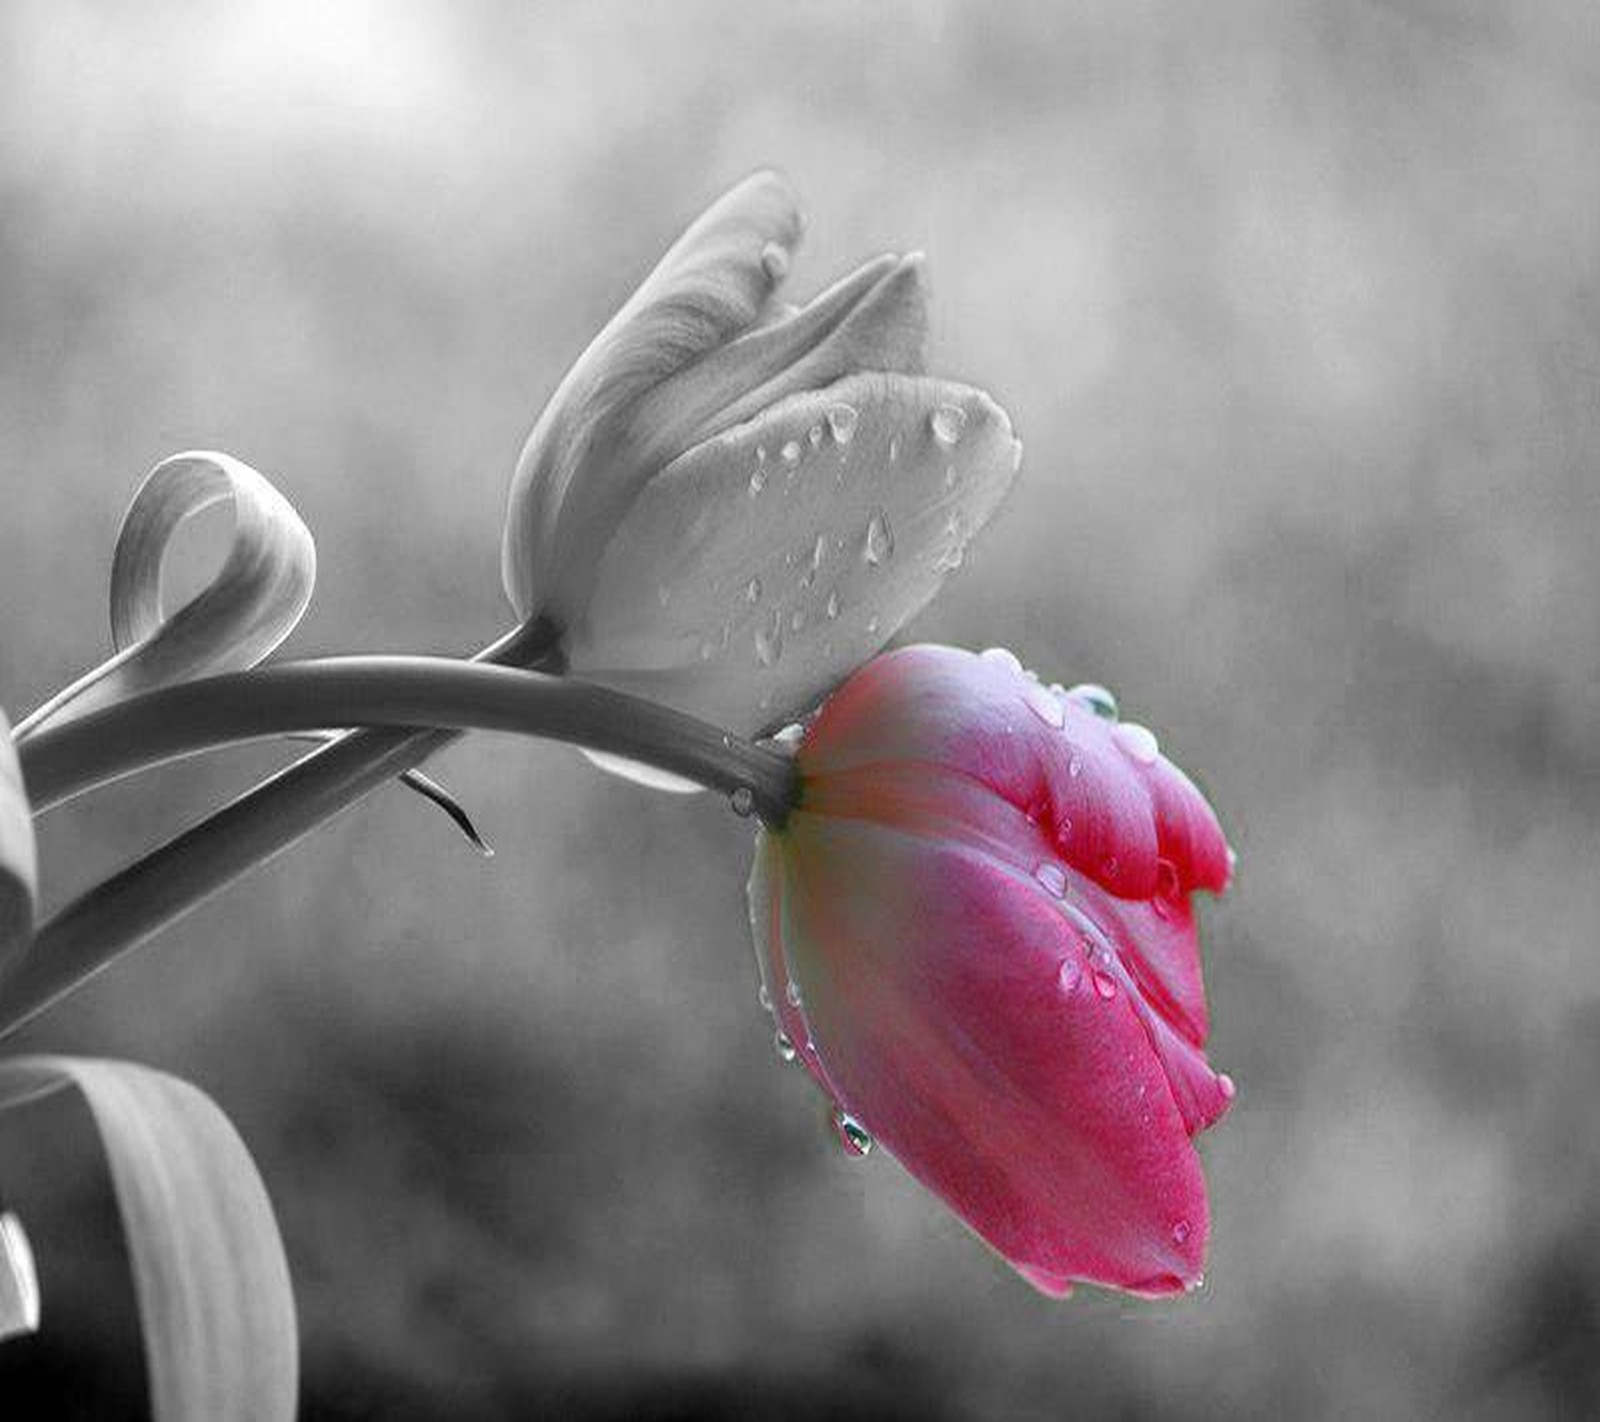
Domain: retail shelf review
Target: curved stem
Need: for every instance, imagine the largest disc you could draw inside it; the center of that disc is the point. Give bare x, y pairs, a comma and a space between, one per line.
393, 691
139, 900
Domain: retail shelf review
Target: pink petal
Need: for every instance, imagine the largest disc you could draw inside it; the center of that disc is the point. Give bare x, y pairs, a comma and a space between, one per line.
958, 1017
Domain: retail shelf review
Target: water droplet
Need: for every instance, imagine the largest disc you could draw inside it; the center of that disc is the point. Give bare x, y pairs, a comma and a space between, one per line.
894, 448
1105, 985
1168, 889
1069, 975
879, 547
947, 422
790, 453
1096, 698
797, 619
842, 420
752, 590
1002, 657
1199, 1283
707, 651
764, 998
758, 479
1138, 741
775, 261
1016, 454
743, 801
792, 993
1052, 878
1180, 1232
769, 639
814, 434
832, 606
789, 738
1045, 706
872, 627
852, 1134
1075, 766
1226, 1087
783, 1045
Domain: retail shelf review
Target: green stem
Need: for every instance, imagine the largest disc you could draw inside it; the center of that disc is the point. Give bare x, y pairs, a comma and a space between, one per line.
141, 899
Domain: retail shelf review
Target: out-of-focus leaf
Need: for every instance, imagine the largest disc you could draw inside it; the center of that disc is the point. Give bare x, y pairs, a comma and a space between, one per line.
209, 1274
19, 1282
760, 568
251, 605
19, 863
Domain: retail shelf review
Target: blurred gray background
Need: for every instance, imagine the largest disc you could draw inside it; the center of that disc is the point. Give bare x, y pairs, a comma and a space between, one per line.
1297, 308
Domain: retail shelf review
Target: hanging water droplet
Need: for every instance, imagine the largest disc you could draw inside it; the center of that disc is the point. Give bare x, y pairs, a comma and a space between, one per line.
774, 261
872, 627
792, 993
1226, 1087
1002, 657
790, 453
1105, 985
752, 590
1138, 741
947, 422
894, 448
769, 639
784, 1046
853, 1136
743, 801
1052, 878
832, 606
1180, 1232
1045, 706
879, 546
842, 420
1096, 698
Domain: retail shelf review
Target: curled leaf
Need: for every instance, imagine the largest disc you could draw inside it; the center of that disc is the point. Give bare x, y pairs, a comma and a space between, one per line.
251, 605
209, 1274
19, 863
19, 1281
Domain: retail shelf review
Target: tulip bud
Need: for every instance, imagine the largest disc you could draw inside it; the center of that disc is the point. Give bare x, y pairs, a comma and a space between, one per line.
729, 503
975, 929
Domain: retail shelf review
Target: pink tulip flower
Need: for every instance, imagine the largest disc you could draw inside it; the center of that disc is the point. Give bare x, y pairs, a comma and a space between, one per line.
975, 931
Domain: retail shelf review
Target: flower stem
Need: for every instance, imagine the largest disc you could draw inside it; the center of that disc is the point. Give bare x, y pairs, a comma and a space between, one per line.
146, 896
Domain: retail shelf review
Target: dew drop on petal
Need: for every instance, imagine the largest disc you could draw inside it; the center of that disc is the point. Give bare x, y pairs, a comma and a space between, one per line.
792, 993
1069, 975
1002, 657
1180, 1232
758, 479
1138, 742
947, 423
1075, 766
752, 590
894, 448
1045, 706
774, 261
832, 605
1052, 878
1104, 985
769, 639
1225, 1086
872, 627
879, 546
842, 420
1096, 698
814, 434
853, 1136
789, 738
742, 801
790, 453
764, 998
784, 1046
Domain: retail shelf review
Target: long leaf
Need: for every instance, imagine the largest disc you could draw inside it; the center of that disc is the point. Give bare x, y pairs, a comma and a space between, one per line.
209, 1274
